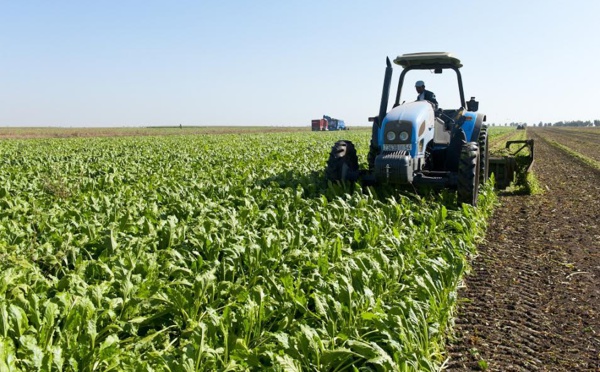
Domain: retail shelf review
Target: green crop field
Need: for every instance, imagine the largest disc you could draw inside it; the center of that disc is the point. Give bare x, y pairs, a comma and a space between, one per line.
220, 252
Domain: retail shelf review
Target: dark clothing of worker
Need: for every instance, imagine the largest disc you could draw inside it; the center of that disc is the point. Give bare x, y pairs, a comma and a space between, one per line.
427, 95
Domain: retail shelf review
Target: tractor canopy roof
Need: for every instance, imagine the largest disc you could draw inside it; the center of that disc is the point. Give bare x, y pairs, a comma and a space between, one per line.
428, 60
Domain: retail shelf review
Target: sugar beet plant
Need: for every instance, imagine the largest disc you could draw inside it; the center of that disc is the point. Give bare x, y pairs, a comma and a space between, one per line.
219, 253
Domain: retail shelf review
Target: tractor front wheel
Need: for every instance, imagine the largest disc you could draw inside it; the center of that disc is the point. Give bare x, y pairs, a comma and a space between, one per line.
468, 174
343, 162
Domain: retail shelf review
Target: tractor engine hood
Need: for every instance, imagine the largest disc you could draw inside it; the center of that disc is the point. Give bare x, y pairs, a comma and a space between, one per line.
415, 118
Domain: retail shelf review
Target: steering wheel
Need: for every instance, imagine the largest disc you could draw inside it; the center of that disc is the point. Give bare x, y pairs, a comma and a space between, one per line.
447, 118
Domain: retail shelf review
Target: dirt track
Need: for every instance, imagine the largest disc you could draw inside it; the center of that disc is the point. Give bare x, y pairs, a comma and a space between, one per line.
532, 301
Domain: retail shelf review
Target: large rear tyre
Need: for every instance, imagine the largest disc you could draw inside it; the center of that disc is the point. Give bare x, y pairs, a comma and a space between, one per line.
468, 174
343, 163
484, 155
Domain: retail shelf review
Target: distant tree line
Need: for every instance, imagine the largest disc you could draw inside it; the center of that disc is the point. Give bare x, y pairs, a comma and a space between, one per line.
573, 123
577, 123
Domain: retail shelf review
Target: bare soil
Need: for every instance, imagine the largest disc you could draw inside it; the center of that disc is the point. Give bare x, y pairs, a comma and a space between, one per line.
532, 299
584, 141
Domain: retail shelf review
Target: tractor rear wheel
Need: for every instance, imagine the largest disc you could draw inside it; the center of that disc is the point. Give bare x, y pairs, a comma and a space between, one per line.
468, 174
484, 155
343, 163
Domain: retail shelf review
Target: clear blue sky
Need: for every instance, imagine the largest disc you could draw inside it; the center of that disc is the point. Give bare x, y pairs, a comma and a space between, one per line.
263, 62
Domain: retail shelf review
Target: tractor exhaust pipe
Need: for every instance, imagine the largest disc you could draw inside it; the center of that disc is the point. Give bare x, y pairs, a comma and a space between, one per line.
385, 94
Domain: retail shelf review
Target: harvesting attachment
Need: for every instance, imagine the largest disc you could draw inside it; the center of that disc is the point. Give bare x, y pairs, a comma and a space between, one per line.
505, 168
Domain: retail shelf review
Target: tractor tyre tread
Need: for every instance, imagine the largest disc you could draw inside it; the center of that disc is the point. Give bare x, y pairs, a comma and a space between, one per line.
468, 174
484, 155
342, 164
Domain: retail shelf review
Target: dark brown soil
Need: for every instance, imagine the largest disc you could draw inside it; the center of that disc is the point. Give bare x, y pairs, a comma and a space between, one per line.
585, 142
532, 300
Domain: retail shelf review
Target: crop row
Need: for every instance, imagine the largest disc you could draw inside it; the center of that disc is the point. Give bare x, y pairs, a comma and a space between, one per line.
583, 141
219, 252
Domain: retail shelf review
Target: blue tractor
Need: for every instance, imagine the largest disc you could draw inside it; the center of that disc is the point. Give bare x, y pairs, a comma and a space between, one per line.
418, 144
335, 124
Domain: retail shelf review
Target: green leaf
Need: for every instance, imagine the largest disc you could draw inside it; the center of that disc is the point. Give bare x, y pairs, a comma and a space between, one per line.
18, 320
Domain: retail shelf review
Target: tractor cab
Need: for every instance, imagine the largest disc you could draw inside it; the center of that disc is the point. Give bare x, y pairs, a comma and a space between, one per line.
437, 62
433, 61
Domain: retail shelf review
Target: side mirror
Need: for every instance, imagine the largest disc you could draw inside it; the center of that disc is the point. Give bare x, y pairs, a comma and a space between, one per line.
472, 105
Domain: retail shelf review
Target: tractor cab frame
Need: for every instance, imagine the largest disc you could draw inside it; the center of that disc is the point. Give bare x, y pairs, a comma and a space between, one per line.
429, 61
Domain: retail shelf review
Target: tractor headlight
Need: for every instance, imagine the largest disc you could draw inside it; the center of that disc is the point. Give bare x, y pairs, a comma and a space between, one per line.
403, 136
390, 136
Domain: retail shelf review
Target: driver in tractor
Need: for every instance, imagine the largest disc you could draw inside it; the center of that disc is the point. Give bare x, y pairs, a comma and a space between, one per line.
425, 95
